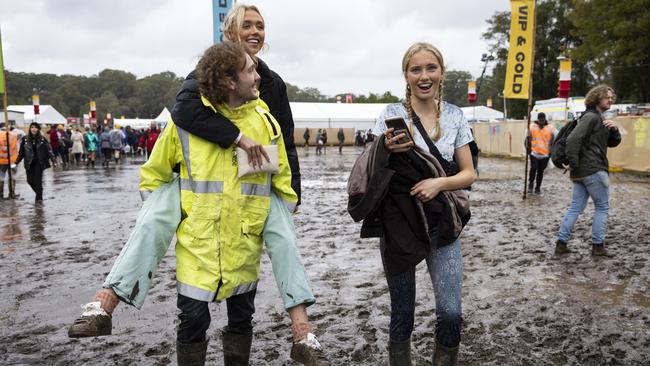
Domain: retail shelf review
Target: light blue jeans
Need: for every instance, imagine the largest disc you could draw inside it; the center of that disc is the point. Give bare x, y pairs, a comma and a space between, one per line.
595, 186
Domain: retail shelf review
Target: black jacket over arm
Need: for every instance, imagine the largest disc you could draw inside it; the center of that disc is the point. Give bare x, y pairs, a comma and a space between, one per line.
190, 114
389, 211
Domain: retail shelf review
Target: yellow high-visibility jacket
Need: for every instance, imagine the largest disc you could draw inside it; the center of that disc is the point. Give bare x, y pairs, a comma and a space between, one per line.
219, 238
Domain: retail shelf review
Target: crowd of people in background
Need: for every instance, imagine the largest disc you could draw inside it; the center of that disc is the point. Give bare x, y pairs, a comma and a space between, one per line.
74, 146
57, 145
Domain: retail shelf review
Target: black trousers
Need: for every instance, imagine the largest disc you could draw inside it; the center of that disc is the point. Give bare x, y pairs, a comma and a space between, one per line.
537, 167
35, 179
195, 317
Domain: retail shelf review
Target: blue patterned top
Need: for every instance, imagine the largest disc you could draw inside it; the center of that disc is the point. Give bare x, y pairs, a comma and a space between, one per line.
455, 129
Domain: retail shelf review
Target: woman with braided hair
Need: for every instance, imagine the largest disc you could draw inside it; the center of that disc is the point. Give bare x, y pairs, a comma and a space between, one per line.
442, 130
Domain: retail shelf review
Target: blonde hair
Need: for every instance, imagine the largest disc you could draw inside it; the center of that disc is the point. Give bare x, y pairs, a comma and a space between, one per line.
596, 94
415, 48
235, 20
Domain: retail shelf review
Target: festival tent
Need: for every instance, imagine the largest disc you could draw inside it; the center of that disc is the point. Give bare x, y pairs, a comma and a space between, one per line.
47, 116
481, 113
135, 123
15, 118
360, 116
163, 117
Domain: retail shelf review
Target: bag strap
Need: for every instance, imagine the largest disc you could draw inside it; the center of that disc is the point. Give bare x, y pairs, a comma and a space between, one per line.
432, 147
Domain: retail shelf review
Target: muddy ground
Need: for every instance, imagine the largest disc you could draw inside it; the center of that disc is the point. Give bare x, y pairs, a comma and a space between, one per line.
521, 305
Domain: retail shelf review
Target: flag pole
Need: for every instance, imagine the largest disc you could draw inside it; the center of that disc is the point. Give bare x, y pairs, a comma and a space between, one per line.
6, 113
530, 98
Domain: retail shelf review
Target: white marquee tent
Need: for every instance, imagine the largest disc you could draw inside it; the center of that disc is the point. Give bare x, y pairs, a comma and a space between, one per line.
481, 113
15, 118
360, 116
47, 116
164, 116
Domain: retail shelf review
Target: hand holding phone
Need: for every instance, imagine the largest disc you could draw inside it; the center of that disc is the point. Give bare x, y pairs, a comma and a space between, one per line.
399, 127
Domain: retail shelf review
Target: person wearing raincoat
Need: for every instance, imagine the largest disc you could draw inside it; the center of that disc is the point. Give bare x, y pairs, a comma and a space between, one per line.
222, 216
151, 236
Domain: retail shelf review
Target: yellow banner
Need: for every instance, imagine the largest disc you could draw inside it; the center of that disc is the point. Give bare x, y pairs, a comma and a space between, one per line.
520, 54
2, 69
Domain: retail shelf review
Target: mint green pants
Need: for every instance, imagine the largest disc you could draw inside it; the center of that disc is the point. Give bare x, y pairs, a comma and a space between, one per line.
154, 230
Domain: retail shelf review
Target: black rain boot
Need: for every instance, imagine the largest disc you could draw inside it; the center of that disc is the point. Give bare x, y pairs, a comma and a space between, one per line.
399, 353
598, 250
561, 248
445, 356
2, 190
236, 348
192, 354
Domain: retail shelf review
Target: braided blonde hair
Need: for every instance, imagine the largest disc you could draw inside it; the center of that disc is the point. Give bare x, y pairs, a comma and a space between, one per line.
415, 48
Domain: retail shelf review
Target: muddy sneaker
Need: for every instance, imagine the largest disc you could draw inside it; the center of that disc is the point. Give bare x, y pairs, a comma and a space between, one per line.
309, 352
93, 322
599, 251
561, 248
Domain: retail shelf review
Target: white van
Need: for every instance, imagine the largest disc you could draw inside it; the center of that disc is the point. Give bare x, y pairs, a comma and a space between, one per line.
559, 109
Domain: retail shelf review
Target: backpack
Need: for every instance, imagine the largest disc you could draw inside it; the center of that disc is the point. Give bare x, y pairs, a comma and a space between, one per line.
558, 149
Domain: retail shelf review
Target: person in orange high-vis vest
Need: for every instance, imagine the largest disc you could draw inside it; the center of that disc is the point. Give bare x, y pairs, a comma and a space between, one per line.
8, 156
540, 137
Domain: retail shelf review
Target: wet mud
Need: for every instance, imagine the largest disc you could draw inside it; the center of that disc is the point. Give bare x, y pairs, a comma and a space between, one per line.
521, 304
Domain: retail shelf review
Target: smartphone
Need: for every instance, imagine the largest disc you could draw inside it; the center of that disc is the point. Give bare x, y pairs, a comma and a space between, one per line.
399, 126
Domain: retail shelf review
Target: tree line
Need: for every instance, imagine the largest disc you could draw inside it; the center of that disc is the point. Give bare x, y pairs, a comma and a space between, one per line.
606, 40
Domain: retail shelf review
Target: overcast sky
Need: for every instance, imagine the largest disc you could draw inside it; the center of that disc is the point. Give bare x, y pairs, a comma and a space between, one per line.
335, 46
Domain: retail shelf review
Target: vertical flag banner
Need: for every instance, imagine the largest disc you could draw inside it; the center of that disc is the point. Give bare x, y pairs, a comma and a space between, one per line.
93, 112
471, 91
220, 9
520, 54
565, 78
2, 69
36, 101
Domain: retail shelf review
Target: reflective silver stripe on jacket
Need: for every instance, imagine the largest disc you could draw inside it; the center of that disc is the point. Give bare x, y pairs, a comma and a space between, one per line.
254, 189
189, 184
202, 186
215, 186
184, 136
242, 289
195, 292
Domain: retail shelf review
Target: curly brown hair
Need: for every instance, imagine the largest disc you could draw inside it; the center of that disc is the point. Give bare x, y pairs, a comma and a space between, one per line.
217, 67
596, 94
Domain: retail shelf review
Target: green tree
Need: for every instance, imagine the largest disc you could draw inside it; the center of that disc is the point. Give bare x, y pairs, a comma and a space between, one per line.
454, 88
156, 92
615, 44
554, 36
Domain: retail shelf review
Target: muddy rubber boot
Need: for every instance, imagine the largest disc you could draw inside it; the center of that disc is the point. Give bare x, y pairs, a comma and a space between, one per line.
561, 248
399, 353
445, 356
598, 250
192, 354
93, 322
236, 348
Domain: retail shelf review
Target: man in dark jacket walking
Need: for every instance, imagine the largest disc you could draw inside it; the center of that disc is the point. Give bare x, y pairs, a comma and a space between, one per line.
586, 149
